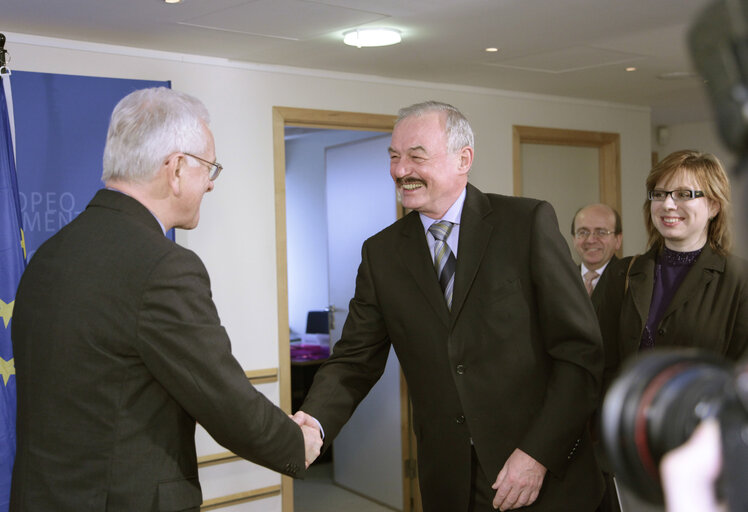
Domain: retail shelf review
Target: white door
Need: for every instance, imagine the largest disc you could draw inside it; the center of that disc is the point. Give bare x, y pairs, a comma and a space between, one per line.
360, 202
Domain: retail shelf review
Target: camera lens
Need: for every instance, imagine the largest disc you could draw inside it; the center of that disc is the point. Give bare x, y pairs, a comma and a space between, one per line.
654, 406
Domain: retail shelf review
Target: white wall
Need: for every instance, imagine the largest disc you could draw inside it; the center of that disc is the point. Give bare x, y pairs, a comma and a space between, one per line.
698, 136
236, 237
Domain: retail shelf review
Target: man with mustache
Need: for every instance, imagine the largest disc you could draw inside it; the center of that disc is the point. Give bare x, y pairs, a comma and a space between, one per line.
491, 324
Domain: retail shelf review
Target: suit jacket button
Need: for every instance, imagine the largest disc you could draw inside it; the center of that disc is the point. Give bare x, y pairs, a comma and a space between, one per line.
661, 331
460, 419
460, 369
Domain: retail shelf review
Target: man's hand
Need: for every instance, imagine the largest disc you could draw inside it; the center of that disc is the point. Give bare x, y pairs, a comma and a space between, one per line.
302, 418
519, 481
312, 443
312, 435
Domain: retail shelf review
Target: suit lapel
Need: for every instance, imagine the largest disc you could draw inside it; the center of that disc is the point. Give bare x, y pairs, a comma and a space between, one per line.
474, 237
704, 269
415, 255
641, 279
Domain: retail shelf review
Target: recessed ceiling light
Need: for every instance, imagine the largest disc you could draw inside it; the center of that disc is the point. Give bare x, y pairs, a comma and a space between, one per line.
173, 1
361, 37
631, 68
677, 75
492, 49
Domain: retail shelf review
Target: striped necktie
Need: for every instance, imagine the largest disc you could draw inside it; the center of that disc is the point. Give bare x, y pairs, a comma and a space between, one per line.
590, 276
444, 259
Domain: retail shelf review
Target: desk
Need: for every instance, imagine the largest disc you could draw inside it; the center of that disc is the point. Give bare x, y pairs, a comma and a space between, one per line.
305, 360
304, 365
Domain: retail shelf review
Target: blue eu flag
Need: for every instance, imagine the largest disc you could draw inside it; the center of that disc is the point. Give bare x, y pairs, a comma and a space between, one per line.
12, 264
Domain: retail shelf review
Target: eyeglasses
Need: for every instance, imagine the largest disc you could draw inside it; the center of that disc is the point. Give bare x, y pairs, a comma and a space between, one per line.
599, 233
681, 194
214, 168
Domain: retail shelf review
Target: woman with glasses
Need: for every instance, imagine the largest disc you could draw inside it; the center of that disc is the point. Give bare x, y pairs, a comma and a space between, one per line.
687, 290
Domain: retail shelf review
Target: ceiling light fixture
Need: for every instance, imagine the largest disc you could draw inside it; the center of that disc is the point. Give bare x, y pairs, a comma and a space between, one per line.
365, 37
631, 68
173, 1
492, 49
677, 75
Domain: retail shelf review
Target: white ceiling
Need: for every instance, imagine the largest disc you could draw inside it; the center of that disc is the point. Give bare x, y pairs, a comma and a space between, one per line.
577, 48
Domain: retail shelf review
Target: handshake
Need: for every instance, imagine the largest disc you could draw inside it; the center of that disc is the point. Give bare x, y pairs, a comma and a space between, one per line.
312, 435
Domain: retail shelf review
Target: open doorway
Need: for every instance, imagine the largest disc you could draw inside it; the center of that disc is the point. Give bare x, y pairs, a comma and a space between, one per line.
326, 120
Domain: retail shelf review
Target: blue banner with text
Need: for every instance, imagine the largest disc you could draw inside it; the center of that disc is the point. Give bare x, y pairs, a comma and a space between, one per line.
61, 124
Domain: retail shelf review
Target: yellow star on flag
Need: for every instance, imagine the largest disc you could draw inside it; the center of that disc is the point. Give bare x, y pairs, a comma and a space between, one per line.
6, 311
23, 244
7, 368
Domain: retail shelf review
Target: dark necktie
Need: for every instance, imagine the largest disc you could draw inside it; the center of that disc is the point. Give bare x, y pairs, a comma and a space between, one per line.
444, 259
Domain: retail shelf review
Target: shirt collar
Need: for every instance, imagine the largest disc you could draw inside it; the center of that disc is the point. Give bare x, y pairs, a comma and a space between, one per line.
453, 214
599, 271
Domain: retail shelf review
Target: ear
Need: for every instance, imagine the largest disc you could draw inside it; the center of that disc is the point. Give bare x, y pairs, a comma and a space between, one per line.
466, 159
714, 208
619, 240
172, 167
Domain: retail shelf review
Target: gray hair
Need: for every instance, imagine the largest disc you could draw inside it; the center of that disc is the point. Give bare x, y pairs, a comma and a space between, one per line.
147, 126
458, 130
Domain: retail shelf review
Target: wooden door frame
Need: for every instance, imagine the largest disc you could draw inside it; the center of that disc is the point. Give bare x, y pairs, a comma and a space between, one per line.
608, 144
332, 120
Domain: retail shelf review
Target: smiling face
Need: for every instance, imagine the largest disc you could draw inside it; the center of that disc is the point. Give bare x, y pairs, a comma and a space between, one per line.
683, 224
595, 251
428, 178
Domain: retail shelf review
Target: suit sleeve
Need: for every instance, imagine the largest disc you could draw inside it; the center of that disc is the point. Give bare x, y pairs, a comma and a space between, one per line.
357, 362
737, 348
608, 311
186, 349
572, 340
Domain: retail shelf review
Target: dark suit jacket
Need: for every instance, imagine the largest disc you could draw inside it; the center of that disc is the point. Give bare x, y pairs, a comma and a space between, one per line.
709, 310
118, 350
515, 364
596, 292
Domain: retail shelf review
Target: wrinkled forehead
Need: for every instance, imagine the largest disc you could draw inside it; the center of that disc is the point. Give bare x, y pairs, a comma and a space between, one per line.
426, 130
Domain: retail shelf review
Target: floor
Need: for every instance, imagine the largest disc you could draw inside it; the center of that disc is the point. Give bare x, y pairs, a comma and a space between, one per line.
318, 493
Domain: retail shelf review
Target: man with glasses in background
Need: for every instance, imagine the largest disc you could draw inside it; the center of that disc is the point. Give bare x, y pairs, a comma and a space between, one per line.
118, 346
597, 235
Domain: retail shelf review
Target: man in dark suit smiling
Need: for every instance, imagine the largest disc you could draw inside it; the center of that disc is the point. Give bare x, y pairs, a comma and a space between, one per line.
118, 346
597, 235
491, 325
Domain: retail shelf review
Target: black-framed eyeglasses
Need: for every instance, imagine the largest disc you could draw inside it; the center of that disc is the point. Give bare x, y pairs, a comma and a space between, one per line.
583, 233
214, 168
681, 194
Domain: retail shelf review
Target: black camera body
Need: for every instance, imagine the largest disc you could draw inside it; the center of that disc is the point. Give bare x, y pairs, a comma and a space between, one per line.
654, 407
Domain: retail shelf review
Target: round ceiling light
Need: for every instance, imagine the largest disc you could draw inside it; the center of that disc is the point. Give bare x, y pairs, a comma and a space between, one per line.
365, 37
